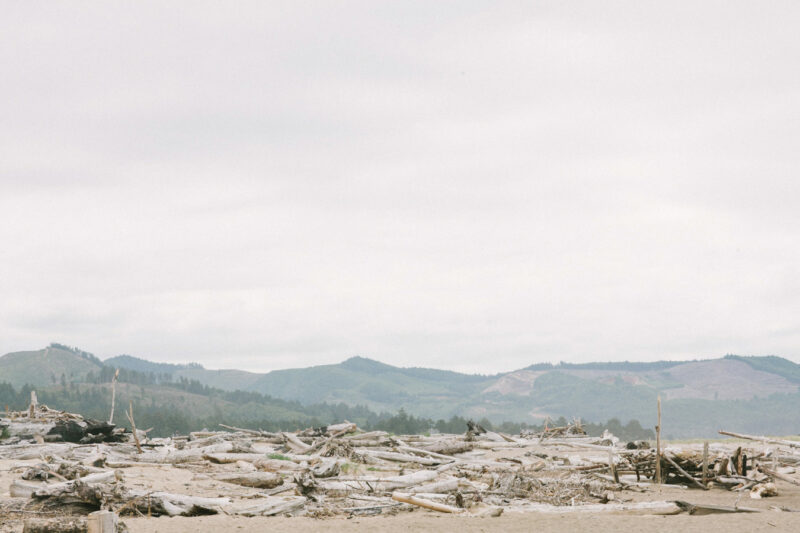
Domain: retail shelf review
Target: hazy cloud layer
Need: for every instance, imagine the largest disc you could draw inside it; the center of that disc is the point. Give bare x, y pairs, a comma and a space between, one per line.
471, 185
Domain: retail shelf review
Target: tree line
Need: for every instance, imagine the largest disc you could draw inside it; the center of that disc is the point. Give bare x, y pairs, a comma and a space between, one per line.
165, 418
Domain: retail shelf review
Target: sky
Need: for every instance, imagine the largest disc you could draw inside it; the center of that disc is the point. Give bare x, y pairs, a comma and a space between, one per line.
477, 186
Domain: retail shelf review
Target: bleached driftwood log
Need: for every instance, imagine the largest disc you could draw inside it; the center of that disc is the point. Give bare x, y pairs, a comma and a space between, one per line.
789, 443
158, 503
69, 486
269, 507
449, 446
259, 480
55, 525
295, 443
427, 504
23, 489
778, 475
375, 484
400, 457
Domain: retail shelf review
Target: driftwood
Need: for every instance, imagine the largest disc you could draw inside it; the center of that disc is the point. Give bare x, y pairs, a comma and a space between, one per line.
789, 443
129, 414
449, 447
778, 475
427, 504
295, 443
259, 480
373, 484
256, 433
271, 507
333, 470
55, 525
158, 503
700, 510
683, 472
399, 457
337, 431
69, 486
102, 522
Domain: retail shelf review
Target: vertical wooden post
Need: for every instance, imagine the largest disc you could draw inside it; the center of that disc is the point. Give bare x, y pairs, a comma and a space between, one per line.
611, 465
34, 403
705, 462
129, 414
101, 522
658, 444
113, 396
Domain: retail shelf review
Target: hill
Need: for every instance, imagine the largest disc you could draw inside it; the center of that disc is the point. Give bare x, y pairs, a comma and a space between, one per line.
749, 394
377, 385
221, 379
48, 366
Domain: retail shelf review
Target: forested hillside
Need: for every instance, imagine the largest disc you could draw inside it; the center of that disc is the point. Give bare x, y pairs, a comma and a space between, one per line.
747, 394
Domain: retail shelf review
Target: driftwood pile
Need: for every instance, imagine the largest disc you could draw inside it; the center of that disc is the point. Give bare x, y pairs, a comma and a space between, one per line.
341, 470
42, 424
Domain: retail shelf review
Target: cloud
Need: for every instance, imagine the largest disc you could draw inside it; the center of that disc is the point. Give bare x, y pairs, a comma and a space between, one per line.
476, 185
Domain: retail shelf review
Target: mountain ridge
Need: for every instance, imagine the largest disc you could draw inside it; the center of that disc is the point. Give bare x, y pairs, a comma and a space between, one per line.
695, 393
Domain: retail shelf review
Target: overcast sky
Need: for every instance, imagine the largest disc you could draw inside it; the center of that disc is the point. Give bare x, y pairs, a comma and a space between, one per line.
468, 185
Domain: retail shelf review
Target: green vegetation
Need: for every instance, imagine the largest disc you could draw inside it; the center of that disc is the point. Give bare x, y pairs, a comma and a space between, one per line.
181, 398
62, 363
278, 456
772, 364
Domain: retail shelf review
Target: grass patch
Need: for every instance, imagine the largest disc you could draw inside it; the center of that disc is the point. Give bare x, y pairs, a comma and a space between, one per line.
348, 468
278, 456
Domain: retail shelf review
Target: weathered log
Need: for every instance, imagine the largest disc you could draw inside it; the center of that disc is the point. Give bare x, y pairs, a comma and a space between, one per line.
763, 490
777, 475
271, 507
342, 428
442, 486
224, 458
373, 484
68, 486
158, 503
23, 489
129, 414
259, 480
700, 510
427, 504
367, 436
449, 447
399, 457
684, 473
101, 522
55, 525
257, 433
295, 443
789, 443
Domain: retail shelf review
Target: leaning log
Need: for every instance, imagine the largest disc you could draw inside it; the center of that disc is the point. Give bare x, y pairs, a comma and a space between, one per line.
427, 504
789, 443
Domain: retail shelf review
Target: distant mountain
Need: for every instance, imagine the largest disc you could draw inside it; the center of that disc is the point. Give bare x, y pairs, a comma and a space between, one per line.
752, 394
47, 366
143, 365
221, 379
361, 381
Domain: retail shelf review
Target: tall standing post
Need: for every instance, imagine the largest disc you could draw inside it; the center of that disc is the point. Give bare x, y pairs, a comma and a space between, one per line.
658, 444
32, 407
705, 463
113, 396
